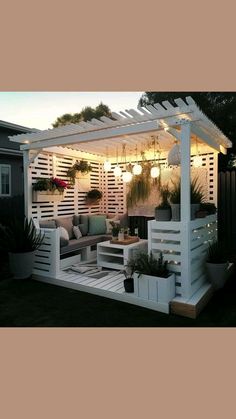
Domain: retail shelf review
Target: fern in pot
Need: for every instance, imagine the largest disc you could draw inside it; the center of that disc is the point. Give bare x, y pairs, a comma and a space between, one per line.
152, 279
217, 264
21, 240
163, 210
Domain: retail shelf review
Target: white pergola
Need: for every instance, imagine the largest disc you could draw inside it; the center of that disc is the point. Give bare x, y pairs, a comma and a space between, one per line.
184, 123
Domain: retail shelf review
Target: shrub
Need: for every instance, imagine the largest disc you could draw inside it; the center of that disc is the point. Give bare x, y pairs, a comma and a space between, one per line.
147, 264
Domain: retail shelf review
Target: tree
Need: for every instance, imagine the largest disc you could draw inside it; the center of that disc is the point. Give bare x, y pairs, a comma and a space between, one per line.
86, 114
220, 107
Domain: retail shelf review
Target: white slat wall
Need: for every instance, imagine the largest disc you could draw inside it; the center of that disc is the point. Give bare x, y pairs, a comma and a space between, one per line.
114, 190
48, 165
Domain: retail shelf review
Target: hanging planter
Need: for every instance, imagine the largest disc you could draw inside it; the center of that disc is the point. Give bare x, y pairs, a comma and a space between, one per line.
48, 190
93, 197
75, 171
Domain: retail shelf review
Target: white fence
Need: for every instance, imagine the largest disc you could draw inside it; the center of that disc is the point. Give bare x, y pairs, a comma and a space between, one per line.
170, 238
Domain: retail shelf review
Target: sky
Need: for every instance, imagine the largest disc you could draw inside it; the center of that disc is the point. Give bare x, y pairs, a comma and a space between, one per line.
41, 109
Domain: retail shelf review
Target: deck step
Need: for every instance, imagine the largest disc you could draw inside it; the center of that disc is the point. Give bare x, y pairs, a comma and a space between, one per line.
192, 307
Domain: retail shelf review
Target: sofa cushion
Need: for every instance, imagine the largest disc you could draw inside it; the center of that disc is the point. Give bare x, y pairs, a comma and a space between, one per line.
64, 237
97, 225
77, 232
83, 242
84, 221
76, 220
66, 222
47, 224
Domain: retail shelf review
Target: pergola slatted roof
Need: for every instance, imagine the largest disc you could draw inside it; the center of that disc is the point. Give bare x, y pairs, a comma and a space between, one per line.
136, 125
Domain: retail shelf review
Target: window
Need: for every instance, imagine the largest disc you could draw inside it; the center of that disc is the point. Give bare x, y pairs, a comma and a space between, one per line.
5, 180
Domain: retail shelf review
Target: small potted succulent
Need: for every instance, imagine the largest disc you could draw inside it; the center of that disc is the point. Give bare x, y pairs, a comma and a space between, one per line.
129, 280
163, 210
93, 197
74, 172
217, 264
49, 189
115, 230
21, 240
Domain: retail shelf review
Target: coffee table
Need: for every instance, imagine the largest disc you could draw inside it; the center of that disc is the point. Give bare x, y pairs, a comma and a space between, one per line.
116, 256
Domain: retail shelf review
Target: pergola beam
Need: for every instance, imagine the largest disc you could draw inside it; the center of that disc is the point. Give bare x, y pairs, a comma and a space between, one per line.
206, 138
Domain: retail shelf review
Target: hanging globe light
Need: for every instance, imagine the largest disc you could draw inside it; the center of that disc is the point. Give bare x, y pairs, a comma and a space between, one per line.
137, 169
197, 161
127, 176
117, 171
155, 172
107, 166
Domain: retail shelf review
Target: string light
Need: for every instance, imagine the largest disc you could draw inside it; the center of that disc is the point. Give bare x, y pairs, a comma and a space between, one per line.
137, 169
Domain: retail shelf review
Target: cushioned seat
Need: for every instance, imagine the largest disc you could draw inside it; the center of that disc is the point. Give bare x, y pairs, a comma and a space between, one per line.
84, 241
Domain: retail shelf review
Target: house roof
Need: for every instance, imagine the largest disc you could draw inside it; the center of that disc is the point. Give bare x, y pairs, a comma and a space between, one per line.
17, 127
134, 126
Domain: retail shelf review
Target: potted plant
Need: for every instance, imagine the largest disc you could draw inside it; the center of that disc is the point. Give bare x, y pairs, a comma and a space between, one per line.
129, 280
217, 264
93, 197
208, 207
115, 230
21, 240
174, 197
49, 189
152, 280
196, 197
78, 167
163, 211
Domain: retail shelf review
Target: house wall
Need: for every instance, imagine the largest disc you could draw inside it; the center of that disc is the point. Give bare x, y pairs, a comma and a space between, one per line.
17, 178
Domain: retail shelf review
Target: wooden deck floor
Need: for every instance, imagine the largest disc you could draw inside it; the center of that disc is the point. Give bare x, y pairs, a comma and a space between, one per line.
110, 287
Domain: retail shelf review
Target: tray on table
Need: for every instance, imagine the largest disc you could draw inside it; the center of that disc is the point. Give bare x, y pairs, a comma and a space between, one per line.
129, 240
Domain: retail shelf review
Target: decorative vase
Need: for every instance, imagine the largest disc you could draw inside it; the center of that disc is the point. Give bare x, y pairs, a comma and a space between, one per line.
175, 210
21, 264
121, 236
163, 214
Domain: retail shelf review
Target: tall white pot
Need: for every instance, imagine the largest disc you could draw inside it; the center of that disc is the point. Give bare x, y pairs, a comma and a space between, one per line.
21, 264
217, 274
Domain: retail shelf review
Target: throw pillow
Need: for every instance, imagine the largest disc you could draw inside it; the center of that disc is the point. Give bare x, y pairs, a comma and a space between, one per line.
77, 232
83, 229
84, 220
64, 237
47, 224
97, 225
76, 220
66, 222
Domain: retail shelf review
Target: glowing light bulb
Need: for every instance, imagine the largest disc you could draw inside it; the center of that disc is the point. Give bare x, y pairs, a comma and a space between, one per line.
117, 171
107, 166
127, 176
197, 161
137, 169
155, 171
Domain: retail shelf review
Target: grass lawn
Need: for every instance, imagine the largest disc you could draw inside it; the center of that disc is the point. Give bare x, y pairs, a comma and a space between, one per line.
30, 303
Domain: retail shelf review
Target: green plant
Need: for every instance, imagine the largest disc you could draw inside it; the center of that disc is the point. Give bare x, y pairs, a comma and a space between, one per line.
216, 253
147, 264
209, 207
116, 228
79, 166
175, 193
50, 184
140, 185
20, 236
94, 194
196, 192
164, 194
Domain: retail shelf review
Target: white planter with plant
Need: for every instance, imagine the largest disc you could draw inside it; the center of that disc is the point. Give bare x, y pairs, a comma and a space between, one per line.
217, 265
48, 190
196, 198
21, 240
152, 280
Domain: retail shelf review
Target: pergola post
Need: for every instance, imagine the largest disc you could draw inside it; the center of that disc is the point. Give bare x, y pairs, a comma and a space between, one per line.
27, 185
185, 211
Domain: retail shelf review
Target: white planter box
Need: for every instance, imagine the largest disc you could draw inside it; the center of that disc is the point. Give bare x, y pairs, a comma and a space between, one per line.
47, 196
161, 290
